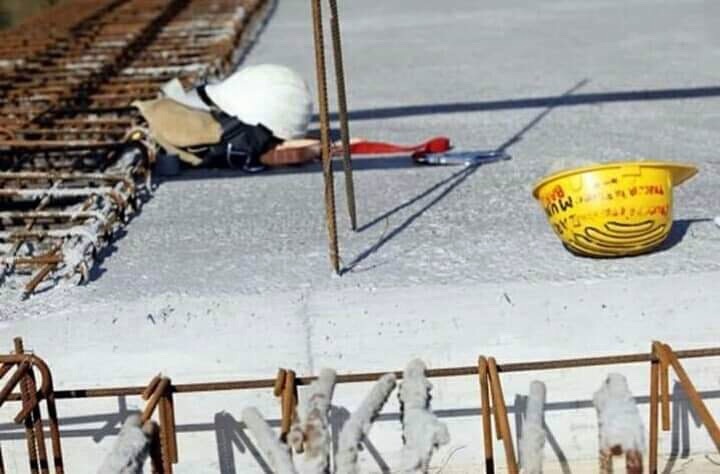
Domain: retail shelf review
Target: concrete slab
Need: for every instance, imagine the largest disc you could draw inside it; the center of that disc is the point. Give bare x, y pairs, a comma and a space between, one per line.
448, 264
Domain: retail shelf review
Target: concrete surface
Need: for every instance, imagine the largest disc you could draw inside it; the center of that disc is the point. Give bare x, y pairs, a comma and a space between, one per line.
448, 264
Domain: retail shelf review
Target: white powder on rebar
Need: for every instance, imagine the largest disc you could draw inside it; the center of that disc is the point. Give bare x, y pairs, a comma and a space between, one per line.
422, 431
532, 440
359, 424
619, 420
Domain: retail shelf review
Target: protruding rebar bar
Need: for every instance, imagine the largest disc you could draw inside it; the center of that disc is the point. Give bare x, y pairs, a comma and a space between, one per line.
342, 112
325, 135
486, 407
35, 452
654, 408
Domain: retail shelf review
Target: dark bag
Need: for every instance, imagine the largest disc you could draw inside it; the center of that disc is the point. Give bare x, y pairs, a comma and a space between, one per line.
241, 145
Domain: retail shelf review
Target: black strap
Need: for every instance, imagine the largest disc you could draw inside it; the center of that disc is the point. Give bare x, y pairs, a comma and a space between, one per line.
241, 145
206, 98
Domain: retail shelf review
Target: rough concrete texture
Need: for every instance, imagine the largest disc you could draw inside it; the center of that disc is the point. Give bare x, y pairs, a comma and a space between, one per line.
226, 276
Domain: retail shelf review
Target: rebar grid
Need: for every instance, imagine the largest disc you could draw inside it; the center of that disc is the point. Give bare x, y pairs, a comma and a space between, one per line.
159, 393
67, 80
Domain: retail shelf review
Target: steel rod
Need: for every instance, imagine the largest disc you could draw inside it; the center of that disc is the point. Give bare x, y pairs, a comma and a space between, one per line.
664, 391
654, 408
154, 399
693, 396
373, 376
502, 424
330, 217
33, 417
486, 420
342, 111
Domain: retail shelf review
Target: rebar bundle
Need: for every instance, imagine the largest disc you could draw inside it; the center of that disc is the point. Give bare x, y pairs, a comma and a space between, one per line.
26, 379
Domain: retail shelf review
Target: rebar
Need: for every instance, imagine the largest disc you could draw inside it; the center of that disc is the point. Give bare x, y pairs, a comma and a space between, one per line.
501, 417
363, 377
482, 370
664, 351
32, 418
159, 394
342, 111
654, 408
67, 81
330, 217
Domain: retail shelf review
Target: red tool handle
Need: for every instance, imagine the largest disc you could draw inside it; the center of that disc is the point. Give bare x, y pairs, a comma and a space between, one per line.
434, 145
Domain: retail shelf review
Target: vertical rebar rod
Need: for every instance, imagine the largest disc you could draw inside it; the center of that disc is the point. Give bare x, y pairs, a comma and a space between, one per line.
172, 428
485, 406
325, 135
664, 393
696, 401
342, 111
503, 426
54, 431
654, 408
29, 426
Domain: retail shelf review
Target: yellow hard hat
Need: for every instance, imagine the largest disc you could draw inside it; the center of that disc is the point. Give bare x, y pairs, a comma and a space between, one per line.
612, 210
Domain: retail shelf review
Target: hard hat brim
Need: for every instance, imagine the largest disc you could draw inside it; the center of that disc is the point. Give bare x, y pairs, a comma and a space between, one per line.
679, 172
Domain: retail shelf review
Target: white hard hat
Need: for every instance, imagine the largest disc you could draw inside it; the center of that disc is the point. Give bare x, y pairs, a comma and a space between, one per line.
270, 94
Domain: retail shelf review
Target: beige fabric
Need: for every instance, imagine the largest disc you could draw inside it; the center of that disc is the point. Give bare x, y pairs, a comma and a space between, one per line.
174, 125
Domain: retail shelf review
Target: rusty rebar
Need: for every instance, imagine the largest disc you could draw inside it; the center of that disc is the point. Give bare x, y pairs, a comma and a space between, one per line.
330, 217
15, 378
30, 439
654, 408
150, 389
363, 377
47, 392
487, 370
65, 101
500, 410
664, 390
342, 111
288, 401
694, 397
33, 417
39, 277
486, 407
166, 442
158, 392
172, 431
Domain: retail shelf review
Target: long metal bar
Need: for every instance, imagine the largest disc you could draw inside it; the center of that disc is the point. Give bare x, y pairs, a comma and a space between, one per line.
486, 408
693, 396
33, 419
654, 408
373, 376
330, 217
342, 111
500, 410
16, 378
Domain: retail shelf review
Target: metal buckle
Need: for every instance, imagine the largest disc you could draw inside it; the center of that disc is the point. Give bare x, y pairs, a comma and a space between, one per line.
247, 166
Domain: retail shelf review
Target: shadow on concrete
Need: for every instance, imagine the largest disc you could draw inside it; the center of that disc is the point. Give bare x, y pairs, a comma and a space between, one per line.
230, 435
679, 229
379, 162
448, 185
533, 102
